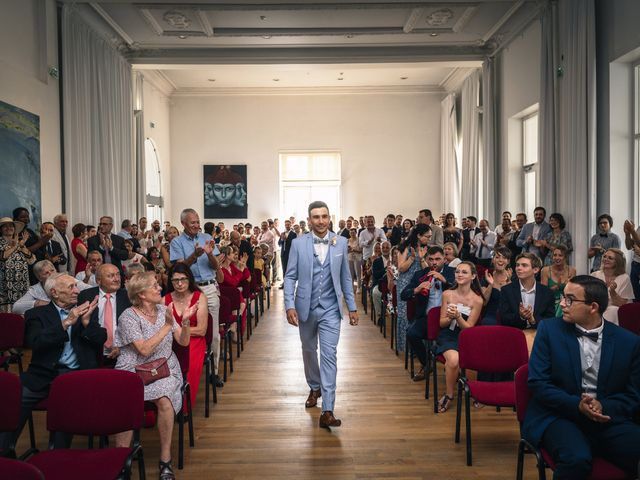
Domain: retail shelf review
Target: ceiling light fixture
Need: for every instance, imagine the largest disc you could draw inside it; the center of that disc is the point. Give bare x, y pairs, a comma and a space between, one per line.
263, 17
434, 34
403, 78
340, 78
266, 37
349, 35
276, 79
182, 37
211, 79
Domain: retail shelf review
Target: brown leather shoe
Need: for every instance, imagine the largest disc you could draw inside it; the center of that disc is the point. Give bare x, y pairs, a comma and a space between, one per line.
328, 420
418, 377
312, 399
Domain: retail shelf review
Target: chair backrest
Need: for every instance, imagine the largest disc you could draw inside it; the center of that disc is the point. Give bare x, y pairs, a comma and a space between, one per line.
411, 309
225, 312
256, 278
523, 394
208, 335
11, 330
182, 354
96, 402
433, 323
394, 296
492, 349
233, 294
629, 317
246, 288
383, 286
11, 400
19, 470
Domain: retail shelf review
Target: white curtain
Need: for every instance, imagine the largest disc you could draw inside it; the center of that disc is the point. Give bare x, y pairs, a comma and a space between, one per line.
451, 160
471, 174
100, 171
141, 187
491, 191
577, 124
547, 116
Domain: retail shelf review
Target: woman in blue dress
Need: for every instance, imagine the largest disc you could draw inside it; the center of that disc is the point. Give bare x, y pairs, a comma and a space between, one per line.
411, 252
461, 308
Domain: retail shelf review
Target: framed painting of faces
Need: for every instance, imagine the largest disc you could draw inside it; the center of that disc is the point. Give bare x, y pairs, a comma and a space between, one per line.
225, 191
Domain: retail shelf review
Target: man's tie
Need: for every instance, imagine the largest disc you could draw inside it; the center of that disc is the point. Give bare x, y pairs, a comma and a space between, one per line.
592, 335
50, 249
108, 320
324, 240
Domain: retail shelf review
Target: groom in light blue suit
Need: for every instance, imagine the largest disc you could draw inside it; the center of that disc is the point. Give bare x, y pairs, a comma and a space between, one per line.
318, 263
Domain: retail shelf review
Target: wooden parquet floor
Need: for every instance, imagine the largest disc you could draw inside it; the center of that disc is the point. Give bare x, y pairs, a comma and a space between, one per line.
260, 429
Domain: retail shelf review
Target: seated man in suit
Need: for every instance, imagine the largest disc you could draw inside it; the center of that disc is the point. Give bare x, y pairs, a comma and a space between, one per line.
112, 301
379, 272
110, 246
63, 337
525, 302
426, 288
51, 250
584, 376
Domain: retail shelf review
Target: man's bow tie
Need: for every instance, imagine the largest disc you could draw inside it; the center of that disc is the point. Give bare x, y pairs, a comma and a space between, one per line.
324, 240
592, 335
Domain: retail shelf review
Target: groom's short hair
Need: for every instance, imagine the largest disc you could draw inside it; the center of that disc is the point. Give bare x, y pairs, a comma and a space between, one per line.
317, 204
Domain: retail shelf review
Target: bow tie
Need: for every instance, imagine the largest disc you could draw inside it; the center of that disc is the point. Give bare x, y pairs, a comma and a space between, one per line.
324, 240
591, 335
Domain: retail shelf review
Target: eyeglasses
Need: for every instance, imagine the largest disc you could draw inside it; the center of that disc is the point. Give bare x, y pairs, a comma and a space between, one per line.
568, 301
179, 280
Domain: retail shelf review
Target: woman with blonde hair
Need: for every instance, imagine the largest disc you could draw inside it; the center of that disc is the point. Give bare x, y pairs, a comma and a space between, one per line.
451, 254
613, 273
145, 334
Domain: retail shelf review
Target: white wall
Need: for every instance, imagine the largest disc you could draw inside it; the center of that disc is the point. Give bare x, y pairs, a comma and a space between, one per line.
156, 111
28, 44
519, 78
383, 138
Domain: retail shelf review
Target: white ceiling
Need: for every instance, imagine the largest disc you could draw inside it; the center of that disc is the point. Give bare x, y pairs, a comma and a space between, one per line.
246, 44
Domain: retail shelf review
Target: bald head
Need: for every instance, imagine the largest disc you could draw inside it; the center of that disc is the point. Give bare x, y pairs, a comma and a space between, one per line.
108, 278
234, 236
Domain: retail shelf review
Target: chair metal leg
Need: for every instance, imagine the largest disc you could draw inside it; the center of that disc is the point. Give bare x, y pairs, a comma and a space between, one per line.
458, 412
435, 386
393, 329
190, 416
520, 465
412, 365
225, 347
406, 354
238, 335
180, 440
230, 356
268, 298
249, 320
427, 374
207, 382
467, 412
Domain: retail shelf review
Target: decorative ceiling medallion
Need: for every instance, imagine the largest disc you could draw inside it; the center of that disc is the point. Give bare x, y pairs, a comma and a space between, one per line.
177, 19
439, 17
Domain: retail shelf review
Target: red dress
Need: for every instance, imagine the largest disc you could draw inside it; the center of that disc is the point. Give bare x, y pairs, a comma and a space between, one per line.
197, 348
81, 263
233, 278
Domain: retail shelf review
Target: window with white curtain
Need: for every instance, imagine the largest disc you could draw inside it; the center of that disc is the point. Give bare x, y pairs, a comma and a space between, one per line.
306, 177
530, 162
153, 186
636, 138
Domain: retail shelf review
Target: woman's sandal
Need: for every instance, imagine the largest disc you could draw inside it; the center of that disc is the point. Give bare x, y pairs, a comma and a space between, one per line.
477, 404
166, 471
445, 403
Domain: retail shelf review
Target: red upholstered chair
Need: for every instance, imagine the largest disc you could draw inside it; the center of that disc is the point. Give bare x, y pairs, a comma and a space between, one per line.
235, 299
11, 389
226, 319
629, 317
18, 470
208, 367
491, 349
93, 402
601, 469
11, 340
433, 329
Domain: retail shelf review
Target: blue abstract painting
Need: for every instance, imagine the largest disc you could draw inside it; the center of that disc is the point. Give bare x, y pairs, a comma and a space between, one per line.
19, 161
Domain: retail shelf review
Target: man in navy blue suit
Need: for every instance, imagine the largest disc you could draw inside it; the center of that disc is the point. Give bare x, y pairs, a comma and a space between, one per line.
584, 375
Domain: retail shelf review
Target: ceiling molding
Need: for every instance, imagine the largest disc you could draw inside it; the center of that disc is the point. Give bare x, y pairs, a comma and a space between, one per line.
151, 21
504, 19
413, 19
113, 24
363, 90
464, 19
159, 81
454, 80
262, 56
204, 21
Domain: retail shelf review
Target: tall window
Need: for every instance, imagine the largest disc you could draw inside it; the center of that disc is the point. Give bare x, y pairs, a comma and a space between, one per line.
306, 177
530, 161
636, 138
153, 188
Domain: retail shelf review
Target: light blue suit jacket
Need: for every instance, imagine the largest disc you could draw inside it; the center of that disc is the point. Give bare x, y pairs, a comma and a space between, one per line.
527, 230
300, 270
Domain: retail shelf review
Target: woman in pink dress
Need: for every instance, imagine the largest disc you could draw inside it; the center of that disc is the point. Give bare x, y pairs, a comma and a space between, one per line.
184, 293
235, 271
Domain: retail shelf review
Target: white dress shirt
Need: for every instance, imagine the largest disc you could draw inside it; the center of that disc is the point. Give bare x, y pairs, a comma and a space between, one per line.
484, 251
590, 359
365, 237
528, 297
